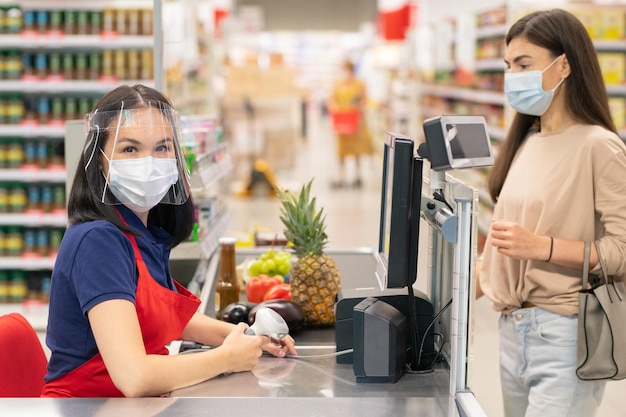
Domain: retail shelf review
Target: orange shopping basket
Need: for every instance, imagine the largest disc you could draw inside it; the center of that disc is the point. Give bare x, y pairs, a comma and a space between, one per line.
345, 122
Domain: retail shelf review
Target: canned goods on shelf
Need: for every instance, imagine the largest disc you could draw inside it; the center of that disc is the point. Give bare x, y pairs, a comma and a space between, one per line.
15, 153
69, 22
43, 242
46, 198
30, 239
42, 21
17, 198
14, 241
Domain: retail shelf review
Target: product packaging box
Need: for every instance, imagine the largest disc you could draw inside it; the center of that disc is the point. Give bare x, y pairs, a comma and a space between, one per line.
613, 66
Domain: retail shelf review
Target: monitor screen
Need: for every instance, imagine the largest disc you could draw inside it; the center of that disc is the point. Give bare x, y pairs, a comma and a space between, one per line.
395, 213
455, 142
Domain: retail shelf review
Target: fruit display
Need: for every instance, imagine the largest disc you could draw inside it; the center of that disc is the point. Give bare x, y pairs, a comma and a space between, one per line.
271, 263
314, 278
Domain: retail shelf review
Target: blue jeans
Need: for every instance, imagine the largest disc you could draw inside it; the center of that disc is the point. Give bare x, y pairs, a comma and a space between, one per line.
538, 367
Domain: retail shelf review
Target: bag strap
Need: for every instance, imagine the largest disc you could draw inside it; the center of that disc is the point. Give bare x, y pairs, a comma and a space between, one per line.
608, 279
586, 264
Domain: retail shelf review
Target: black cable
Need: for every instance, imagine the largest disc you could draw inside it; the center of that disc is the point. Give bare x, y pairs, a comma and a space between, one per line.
414, 329
438, 195
417, 359
430, 368
432, 324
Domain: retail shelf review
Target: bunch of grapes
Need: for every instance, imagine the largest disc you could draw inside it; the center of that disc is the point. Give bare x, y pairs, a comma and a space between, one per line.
271, 263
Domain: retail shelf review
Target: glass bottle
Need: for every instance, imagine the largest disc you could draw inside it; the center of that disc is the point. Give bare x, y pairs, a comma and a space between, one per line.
227, 286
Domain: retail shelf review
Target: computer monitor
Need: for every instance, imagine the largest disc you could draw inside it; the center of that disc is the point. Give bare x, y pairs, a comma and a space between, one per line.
455, 142
399, 214
398, 243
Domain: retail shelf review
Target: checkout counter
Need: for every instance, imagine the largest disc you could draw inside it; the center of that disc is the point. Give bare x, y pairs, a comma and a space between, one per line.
315, 384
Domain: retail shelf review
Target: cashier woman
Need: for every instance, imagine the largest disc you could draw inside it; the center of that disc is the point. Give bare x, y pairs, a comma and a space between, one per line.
114, 305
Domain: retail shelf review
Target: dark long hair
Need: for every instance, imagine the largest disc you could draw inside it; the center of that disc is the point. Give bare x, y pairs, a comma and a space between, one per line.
586, 98
85, 205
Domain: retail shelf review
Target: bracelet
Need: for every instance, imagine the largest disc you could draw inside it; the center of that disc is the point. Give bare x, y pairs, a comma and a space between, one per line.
551, 247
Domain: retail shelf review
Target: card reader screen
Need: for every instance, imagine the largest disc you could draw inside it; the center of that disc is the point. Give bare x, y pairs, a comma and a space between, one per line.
467, 141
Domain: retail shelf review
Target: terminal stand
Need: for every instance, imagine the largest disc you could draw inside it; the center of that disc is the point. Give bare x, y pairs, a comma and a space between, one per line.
452, 240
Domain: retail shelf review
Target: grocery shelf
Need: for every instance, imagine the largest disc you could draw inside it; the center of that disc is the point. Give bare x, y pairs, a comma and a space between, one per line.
91, 42
35, 312
204, 248
186, 250
495, 64
87, 5
212, 172
467, 94
491, 31
45, 55
27, 263
610, 45
616, 90
33, 175
65, 86
33, 219
32, 131
210, 242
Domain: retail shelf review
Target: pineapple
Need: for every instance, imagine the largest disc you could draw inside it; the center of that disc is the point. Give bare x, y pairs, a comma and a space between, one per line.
314, 276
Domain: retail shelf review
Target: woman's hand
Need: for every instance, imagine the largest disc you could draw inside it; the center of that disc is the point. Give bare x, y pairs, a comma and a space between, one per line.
282, 347
514, 241
244, 351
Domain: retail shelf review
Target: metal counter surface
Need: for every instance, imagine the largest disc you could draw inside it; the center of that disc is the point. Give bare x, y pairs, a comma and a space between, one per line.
183, 407
320, 386
315, 377
276, 387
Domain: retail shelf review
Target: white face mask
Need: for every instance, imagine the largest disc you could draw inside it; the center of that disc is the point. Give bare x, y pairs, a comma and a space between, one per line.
141, 184
525, 92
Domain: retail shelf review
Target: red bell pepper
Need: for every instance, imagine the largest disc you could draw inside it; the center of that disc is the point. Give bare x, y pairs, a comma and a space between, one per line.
259, 285
278, 292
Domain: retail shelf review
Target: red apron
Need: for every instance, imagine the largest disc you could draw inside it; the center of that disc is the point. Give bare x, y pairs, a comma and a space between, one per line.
163, 314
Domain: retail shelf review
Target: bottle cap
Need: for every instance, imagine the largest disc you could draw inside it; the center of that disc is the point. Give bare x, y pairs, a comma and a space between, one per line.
227, 240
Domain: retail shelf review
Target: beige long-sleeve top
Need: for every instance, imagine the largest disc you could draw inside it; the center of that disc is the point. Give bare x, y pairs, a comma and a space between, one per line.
569, 185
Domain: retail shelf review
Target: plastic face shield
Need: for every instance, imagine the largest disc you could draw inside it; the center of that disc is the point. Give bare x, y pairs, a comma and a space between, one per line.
139, 147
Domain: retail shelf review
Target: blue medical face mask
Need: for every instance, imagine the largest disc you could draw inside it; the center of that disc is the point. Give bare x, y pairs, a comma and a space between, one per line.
525, 93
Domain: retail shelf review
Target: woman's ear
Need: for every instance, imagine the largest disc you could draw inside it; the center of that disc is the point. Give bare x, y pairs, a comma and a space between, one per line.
565, 68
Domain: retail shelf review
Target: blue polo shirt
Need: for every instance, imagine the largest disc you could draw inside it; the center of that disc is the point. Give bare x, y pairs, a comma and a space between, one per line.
96, 263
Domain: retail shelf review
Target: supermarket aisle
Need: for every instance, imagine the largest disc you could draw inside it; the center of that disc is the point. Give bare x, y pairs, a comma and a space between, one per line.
352, 217
352, 214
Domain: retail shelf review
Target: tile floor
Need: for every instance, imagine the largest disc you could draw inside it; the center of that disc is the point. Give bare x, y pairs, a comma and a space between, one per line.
352, 218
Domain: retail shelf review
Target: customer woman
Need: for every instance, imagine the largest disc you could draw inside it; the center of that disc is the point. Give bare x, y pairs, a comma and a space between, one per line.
347, 104
558, 181
113, 303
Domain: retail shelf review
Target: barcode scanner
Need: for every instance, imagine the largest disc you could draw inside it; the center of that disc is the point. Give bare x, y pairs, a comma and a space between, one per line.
267, 322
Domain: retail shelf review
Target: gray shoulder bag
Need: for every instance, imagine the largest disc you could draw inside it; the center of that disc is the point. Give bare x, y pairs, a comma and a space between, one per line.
601, 325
